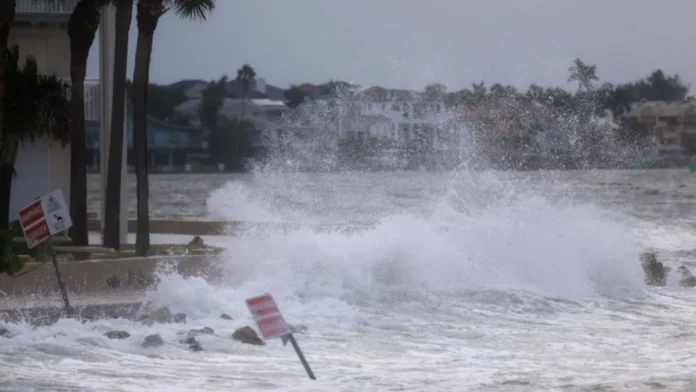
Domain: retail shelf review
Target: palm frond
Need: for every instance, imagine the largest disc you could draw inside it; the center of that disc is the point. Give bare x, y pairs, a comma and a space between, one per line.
36, 105
192, 9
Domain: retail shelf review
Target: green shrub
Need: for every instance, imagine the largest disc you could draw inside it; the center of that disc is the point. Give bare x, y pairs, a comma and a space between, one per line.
10, 263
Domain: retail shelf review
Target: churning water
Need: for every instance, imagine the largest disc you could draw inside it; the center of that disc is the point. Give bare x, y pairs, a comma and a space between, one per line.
488, 284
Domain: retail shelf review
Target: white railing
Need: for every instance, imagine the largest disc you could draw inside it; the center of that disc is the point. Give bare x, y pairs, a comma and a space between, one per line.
45, 6
92, 99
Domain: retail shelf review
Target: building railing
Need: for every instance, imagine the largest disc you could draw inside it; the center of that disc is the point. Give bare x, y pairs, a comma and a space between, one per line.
60, 7
92, 99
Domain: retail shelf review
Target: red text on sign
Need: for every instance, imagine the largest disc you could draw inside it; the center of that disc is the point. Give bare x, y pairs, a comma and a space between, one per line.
273, 326
30, 214
38, 233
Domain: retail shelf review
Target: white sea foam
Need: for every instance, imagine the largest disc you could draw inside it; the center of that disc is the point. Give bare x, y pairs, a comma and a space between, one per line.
484, 289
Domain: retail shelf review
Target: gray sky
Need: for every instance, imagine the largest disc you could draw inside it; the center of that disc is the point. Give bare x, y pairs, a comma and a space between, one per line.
410, 43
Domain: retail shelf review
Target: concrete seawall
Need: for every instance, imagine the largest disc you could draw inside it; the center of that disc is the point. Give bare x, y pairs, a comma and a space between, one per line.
158, 226
97, 288
102, 275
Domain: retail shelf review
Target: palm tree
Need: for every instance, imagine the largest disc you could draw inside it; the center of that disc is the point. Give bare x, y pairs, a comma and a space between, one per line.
36, 106
82, 29
245, 76
111, 237
583, 73
7, 16
149, 12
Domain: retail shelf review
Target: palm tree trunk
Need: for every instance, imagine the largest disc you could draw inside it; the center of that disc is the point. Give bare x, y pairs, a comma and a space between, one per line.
7, 15
6, 172
7, 160
111, 237
149, 12
82, 28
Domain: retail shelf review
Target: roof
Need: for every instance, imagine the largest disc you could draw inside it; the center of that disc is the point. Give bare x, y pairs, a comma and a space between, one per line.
268, 104
236, 90
187, 83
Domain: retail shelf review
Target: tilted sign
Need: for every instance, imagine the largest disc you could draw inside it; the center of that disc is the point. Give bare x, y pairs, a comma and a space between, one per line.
272, 325
267, 316
45, 217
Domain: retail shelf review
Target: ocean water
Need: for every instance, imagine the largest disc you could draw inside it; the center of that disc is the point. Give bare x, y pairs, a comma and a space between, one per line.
462, 282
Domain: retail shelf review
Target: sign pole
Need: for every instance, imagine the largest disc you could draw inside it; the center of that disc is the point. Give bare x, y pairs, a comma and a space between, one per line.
59, 278
272, 325
292, 340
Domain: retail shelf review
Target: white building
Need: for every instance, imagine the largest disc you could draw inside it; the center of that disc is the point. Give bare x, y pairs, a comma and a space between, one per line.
40, 30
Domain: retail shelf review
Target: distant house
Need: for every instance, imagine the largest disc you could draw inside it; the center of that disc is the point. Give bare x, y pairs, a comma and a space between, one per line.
169, 145
673, 124
264, 103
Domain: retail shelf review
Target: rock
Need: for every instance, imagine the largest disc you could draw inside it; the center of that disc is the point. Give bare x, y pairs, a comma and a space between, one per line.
655, 272
201, 331
161, 315
153, 341
687, 278
225, 316
247, 335
299, 328
189, 340
179, 318
196, 243
194, 345
4, 332
117, 334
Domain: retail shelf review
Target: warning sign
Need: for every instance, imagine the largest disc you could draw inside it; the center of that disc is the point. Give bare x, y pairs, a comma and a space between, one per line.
56, 212
45, 217
267, 316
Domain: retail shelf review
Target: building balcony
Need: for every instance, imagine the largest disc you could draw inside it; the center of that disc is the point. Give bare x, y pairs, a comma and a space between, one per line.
37, 11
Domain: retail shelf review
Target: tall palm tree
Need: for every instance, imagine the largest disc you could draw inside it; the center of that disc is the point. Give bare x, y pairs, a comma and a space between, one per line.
82, 29
583, 73
7, 16
111, 236
245, 75
149, 12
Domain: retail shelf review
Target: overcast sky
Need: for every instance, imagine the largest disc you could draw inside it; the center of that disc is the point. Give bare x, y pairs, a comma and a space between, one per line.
410, 43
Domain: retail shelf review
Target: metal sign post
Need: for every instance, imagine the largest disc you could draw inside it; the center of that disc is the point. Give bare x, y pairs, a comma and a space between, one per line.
59, 278
308, 369
272, 325
41, 219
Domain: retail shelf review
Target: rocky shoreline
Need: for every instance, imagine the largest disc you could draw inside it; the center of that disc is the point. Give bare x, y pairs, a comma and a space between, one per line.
135, 312
656, 272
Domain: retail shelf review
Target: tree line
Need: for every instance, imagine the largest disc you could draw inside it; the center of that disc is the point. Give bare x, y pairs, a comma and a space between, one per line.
230, 140
54, 115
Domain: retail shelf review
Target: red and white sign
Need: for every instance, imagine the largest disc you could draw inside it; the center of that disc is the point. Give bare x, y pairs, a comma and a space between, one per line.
37, 234
268, 317
45, 217
31, 214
